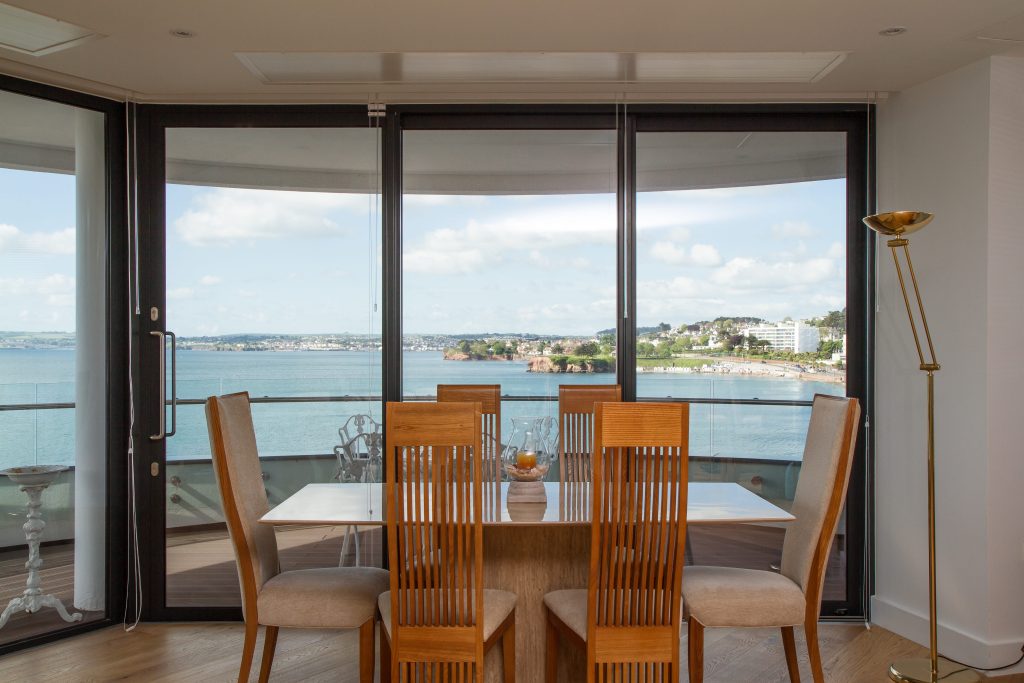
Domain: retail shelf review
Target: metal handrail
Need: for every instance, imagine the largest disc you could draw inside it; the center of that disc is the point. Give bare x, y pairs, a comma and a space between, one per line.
364, 399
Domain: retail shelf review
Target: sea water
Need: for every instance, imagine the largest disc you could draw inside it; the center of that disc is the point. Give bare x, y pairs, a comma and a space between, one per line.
47, 376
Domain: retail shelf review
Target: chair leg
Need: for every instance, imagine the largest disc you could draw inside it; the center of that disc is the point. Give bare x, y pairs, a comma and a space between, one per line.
551, 653
385, 655
248, 648
269, 645
366, 633
695, 650
811, 631
789, 645
508, 651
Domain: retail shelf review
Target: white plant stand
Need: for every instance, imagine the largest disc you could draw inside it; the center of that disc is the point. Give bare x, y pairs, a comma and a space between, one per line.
33, 480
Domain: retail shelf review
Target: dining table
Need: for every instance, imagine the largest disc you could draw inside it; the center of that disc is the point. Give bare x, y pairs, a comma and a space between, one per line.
529, 548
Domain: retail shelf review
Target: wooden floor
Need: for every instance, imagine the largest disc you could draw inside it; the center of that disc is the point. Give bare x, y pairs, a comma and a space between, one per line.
209, 652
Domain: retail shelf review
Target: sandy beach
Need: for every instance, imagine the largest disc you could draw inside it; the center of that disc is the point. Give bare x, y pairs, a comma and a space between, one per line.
780, 369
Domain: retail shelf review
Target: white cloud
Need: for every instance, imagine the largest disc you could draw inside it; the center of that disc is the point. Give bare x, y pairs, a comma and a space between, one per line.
667, 252
705, 255
793, 229
209, 280
13, 239
55, 284
579, 263
538, 258
37, 303
527, 234
180, 293
226, 216
744, 273
837, 250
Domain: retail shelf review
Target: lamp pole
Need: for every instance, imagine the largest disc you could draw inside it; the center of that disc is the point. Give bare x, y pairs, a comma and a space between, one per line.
896, 225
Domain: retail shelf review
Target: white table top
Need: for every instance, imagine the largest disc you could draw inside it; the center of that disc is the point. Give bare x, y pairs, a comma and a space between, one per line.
707, 503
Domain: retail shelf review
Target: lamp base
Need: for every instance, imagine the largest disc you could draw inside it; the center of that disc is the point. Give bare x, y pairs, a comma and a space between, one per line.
919, 670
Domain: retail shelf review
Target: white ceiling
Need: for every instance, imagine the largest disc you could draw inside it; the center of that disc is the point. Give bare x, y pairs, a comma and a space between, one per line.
137, 56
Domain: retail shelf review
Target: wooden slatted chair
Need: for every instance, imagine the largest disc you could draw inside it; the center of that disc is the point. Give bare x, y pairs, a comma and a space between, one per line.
628, 618
438, 619
730, 597
489, 398
576, 441
332, 597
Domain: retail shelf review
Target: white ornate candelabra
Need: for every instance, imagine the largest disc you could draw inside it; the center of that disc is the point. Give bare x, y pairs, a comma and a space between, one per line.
33, 480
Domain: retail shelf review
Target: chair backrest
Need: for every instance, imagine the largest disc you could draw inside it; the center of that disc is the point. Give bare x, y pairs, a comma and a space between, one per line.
576, 426
638, 535
433, 505
489, 398
236, 465
820, 492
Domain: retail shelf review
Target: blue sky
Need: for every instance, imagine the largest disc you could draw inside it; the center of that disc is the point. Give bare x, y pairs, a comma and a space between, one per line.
37, 251
301, 262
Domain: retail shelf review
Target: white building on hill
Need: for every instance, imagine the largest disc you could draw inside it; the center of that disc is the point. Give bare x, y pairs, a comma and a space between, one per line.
786, 336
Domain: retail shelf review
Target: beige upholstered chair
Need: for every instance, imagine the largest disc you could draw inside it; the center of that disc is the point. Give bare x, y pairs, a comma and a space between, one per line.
729, 597
308, 598
438, 619
489, 398
628, 618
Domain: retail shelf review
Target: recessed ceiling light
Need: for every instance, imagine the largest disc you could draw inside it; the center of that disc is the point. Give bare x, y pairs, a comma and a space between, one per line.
182, 33
893, 31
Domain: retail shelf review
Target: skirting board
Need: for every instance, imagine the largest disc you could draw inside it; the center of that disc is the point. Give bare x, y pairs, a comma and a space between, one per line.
957, 644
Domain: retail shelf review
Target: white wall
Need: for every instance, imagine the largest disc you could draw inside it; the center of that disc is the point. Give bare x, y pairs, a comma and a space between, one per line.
954, 146
1006, 372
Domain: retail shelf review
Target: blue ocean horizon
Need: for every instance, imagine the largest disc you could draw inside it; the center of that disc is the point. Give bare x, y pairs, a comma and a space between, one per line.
47, 376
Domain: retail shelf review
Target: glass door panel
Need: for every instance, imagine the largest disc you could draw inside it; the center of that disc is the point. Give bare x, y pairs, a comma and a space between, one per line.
741, 305
53, 223
272, 243
509, 263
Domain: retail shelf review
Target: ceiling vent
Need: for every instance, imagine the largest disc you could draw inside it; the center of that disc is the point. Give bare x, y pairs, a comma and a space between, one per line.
38, 35
301, 68
1009, 31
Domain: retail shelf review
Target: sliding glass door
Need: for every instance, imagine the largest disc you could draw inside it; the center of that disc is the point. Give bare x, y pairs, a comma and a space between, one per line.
271, 248
741, 309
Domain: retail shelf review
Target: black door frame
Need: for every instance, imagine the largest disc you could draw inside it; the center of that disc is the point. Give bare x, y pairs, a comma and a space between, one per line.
154, 120
117, 359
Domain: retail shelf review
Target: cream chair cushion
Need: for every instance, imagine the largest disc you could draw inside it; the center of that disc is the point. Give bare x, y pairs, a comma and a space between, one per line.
731, 597
498, 605
570, 606
332, 597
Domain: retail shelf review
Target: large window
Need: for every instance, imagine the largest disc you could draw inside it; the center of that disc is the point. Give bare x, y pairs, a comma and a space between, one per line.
687, 257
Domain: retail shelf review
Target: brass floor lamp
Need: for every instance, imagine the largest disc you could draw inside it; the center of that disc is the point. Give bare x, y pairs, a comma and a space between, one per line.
897, 225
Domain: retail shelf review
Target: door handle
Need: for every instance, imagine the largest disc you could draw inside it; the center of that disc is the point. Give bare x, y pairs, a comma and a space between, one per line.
162, 369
